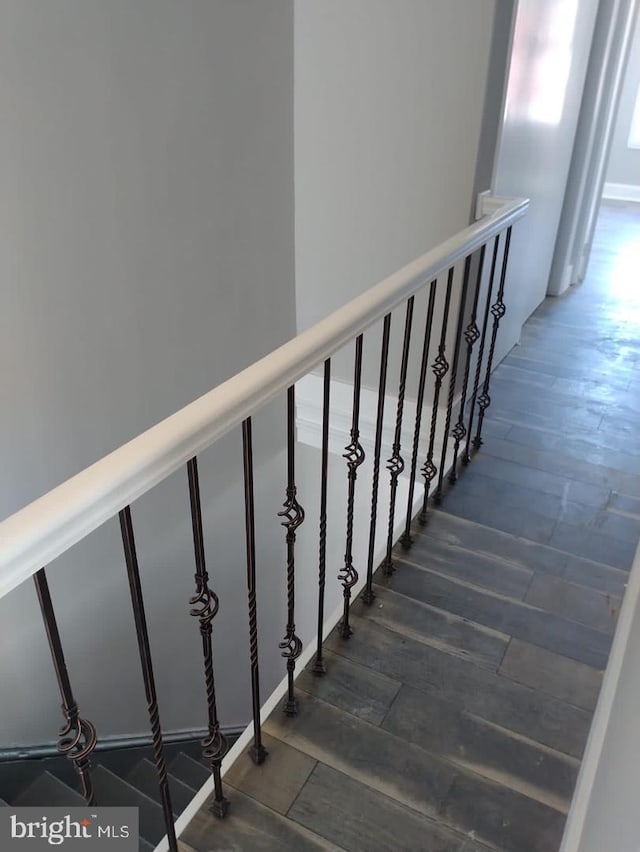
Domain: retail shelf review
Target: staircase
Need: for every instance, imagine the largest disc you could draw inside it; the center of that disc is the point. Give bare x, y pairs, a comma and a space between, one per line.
125, 777
455, 716
453, 719
341, 749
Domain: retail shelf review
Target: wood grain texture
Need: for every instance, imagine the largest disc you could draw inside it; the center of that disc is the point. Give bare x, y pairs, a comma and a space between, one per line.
440, 727
497, 575
277, 781
553, 674
251, 827
428, 784
569, 600
532, 624
362, 820
484, 693
358, 690
434, 626
535, 557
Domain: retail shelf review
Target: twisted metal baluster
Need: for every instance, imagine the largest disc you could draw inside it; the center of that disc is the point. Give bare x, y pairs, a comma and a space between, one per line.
437, 497
204, 606
440, 368
406, 541
77, 737
369, 596
498, 310
144, 649
293, 515
466, 458
471, 334
354, 455
395, 465
319, 666
257, 752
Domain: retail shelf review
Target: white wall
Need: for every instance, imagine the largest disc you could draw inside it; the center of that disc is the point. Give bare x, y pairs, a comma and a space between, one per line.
602, 88
146, 254
624, 162
604, 810
388, 107
551, 45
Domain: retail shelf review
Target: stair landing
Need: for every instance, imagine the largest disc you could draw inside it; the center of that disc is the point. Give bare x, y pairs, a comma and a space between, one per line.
431, 730
455, 717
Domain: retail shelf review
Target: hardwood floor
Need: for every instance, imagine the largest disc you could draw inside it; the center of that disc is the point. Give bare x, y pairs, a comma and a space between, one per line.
455, 717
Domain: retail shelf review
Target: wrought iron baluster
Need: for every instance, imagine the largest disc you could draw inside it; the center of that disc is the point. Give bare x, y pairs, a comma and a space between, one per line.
452, 378
498, 310
77, 737
471, 335
466, 458
319, 666
204, 606
144, 649
406, 539
395, 464
257, 752
293, 515
354, 455
369, 595
440, 368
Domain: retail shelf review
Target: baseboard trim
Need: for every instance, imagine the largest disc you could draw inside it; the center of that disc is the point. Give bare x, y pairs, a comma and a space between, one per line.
309, 418
621, 192
38, 752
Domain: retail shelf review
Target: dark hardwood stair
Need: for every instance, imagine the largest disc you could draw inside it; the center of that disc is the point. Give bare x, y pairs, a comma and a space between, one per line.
455, 717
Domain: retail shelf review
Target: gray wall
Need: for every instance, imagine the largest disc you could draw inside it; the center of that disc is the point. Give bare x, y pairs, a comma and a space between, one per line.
624, 162
146, 233
388, 108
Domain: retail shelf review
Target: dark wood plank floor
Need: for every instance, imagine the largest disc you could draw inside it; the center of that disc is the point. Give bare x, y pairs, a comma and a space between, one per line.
455, 717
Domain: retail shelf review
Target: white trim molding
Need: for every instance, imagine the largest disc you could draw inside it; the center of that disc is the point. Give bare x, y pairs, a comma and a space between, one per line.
309, 420
487, 204
621, 192
603, 801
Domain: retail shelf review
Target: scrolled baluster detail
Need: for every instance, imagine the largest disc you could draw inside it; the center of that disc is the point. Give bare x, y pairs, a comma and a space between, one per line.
437, 497
354, 456
471, 335
77, 737
395, 464
204, 606
406, 541
440, 368
77, 740
293, 516
498, 310
466, 458
368, 595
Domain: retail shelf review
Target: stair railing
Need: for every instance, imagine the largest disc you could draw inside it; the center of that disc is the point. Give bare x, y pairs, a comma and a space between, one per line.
39, 533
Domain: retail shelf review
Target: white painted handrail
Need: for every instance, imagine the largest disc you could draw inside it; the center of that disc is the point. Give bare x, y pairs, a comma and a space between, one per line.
46, 528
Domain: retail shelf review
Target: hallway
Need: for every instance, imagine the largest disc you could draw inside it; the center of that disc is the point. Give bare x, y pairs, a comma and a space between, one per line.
455, 717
